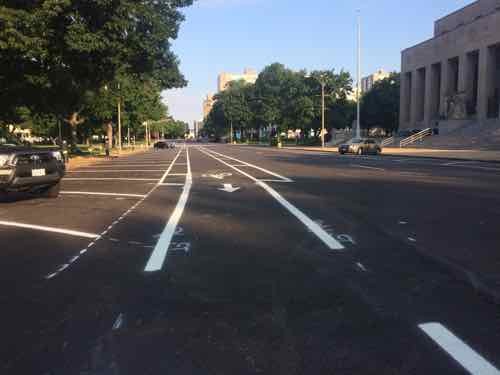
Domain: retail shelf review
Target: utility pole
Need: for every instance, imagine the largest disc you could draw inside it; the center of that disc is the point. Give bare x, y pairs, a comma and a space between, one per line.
128, 136
323, 114
119, 121
358, 89
232, 141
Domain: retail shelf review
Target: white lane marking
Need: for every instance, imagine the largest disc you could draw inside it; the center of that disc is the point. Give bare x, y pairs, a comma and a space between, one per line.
99, 166
459, 350
118, 322
160, 251
229, 188
475, 167
253, 166
69, 232
114, 170
411, 239
361, 267
326, 238
107, 179
367, 167
102, 194
171, 184
169, 169
280, 181
402, 222
178, 174
100, 236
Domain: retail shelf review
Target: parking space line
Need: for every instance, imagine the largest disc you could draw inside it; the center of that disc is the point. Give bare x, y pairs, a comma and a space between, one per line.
68, 232
104, 233
160, 251
310, 224
66, 192
114, 170
458, 350
107, 179
169, 169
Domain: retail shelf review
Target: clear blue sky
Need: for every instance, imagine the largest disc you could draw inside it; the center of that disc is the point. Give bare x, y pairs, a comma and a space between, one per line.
229, 35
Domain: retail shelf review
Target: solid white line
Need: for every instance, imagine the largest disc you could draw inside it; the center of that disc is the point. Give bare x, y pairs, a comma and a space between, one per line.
366, 167
326, 238
167, 172
459, 350
171, 184
253, 166
108, 179
102, 194
178, 174
49, 229
114, 170
160, 251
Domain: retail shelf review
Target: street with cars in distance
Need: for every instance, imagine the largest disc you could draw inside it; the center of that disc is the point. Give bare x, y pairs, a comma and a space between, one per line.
222, 259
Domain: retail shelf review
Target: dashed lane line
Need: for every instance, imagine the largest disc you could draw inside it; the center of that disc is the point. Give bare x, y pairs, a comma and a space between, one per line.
310, 224
82, 252
41, 228
459, 350
367, 167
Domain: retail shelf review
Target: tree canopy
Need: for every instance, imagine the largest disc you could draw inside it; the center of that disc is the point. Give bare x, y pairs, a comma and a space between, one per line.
57, 57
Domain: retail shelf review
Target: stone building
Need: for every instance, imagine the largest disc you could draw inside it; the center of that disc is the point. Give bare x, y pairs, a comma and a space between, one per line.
249, 76
455, 75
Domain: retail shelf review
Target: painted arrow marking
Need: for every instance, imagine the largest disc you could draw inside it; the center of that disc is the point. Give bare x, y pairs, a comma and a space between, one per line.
229, 188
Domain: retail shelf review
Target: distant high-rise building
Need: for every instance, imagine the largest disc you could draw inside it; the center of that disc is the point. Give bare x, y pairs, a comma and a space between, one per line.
368, 82
249, 76
208, 103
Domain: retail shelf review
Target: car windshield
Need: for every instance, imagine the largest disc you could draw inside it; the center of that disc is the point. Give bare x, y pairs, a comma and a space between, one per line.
9, 140
249, 187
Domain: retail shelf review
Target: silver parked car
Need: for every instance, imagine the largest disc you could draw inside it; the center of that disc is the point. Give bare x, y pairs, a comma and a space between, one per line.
360, 147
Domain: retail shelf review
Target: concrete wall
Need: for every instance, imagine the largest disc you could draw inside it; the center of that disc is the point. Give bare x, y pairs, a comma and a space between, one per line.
478, 35
465, 15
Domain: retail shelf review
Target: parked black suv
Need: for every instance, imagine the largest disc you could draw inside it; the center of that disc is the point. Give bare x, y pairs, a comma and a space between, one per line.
23, 168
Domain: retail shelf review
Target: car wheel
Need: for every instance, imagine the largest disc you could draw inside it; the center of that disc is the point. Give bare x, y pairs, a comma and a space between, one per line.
360, 151
52, 191
341, 152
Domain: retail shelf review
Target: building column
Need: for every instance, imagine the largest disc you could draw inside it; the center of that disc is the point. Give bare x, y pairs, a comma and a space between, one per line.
403, 100
483, 83
445, 76
414, 99
429, 96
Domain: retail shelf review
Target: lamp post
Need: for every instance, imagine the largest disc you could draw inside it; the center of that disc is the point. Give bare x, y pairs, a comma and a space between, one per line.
119, 121
322, 82
358, 89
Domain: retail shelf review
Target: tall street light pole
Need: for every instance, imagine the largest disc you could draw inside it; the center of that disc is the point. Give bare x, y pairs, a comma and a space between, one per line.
119, 120
323, 114
358, 89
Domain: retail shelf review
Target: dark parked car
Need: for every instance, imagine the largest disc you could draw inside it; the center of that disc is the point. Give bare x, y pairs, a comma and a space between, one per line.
162, 145
360, 147
23, 168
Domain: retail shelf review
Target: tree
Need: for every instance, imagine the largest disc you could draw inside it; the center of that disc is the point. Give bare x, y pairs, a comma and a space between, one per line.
53, 53
380, 105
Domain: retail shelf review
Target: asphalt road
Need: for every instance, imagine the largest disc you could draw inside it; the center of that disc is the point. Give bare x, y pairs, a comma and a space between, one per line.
213, 259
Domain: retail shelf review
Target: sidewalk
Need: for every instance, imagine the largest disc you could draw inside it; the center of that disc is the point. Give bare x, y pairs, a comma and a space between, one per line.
469, 155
